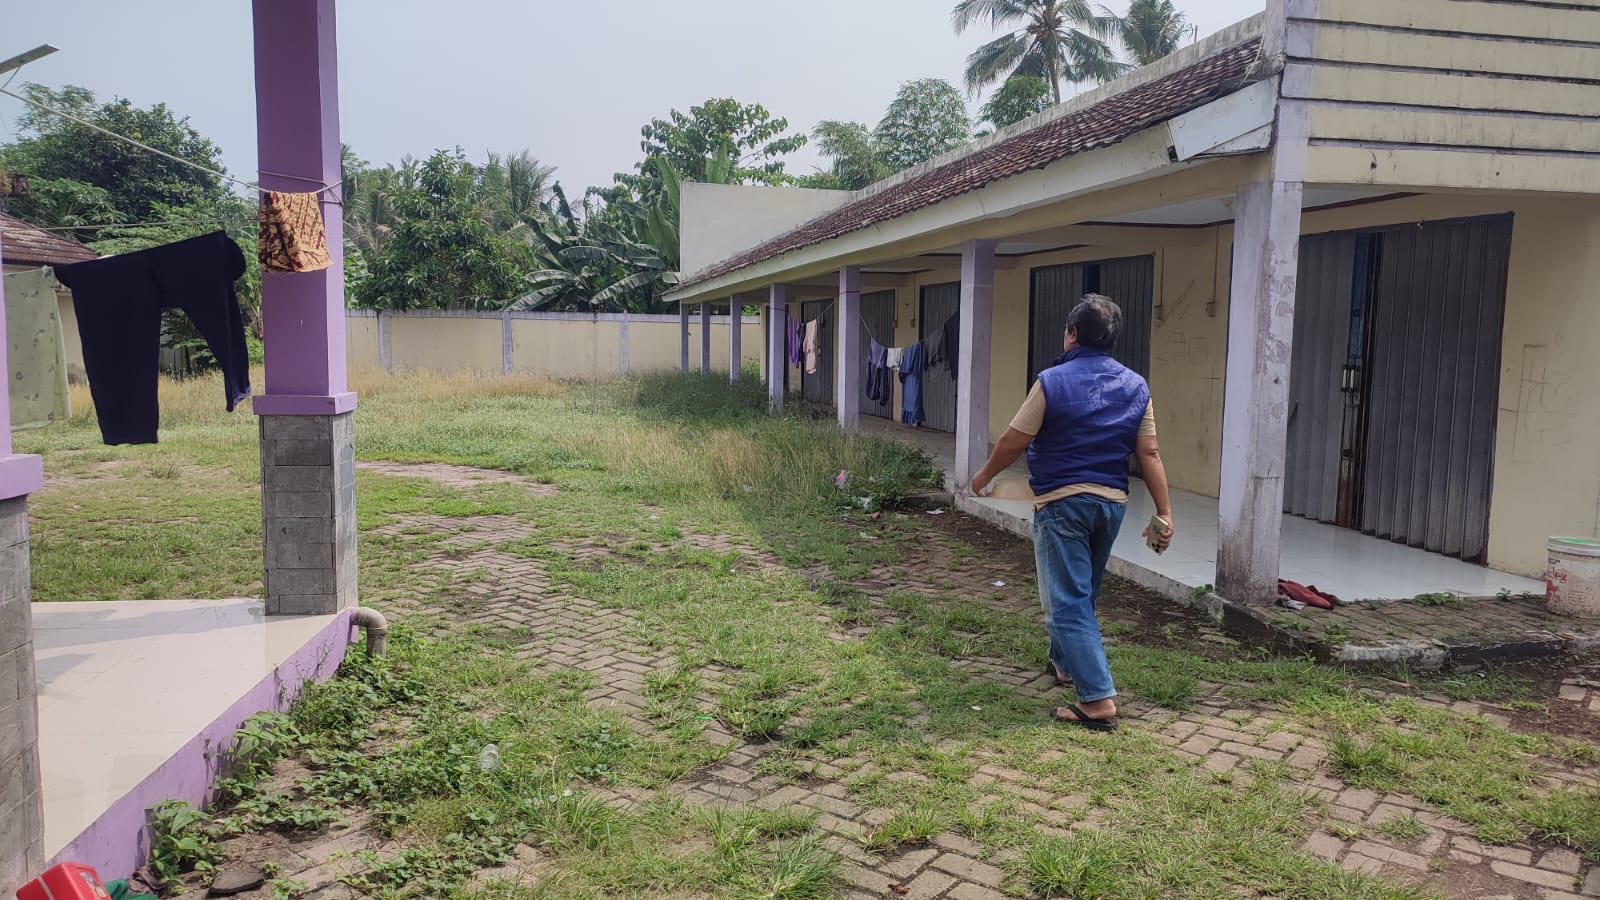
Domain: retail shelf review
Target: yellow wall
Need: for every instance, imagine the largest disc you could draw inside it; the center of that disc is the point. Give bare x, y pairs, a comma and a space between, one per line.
561, 347
444, 344
361, 343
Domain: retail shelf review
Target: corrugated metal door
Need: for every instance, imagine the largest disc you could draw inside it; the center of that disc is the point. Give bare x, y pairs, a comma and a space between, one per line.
939, 303
877, 324
1052, 292
1055, 290
1130, 282
818, 387
1316, 372
1432, 397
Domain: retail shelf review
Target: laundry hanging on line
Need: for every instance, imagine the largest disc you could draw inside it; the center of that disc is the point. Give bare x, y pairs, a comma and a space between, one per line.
811, 346
119, 300
911, 365
879, 390
35, 350
291, 233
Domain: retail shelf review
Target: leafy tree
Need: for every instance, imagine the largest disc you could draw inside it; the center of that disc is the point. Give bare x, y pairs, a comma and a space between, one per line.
857, 159
687, 141
1152, 29
442, 251
515, 184
53, 150
1020, 97
1058, 40
926, 118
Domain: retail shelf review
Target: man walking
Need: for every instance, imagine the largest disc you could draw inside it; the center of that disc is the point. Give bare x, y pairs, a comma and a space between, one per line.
1085, 415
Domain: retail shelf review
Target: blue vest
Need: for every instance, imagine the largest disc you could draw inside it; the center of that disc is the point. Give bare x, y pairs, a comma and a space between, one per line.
1093, 407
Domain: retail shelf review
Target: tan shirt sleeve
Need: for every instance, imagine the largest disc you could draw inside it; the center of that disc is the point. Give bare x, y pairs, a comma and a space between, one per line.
1030, 418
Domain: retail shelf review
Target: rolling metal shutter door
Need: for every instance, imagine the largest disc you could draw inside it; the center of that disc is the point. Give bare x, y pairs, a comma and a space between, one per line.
1131, 283
1316, 403
877, 324
1434, 390
1053, 291
939, 303
818, 387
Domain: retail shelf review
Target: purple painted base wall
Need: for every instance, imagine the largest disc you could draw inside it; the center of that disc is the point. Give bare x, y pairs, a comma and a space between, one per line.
118, 842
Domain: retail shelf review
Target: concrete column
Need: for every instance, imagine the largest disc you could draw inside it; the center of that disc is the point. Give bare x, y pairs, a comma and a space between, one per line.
735, 337
1266, 250
972, 372
766, 345
683, 338
847, 373
308, 503
307, 444
624, 349
385, 340
777, 344
21, 800
507, 345
705, 337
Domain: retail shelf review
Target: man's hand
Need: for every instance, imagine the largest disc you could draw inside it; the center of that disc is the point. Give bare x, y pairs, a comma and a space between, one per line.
980, 483
1164, 539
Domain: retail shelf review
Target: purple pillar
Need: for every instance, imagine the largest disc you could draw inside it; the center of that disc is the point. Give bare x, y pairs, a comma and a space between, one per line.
847, 375
307, 440
21, 804
972, 370
297, 138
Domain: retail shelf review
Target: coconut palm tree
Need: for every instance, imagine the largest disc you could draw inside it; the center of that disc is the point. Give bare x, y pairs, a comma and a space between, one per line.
1054, 39
1152, 29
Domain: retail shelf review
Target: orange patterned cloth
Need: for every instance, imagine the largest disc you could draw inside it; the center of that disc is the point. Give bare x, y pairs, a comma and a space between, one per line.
292, 235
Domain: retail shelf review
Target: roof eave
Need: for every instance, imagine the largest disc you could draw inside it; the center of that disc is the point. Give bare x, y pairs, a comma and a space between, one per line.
1232, 125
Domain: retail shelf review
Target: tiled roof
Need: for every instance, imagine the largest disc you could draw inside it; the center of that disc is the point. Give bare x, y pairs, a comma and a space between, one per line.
23, 244
1108, 122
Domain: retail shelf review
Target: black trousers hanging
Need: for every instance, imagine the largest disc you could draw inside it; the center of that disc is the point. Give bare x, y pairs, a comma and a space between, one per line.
118, 301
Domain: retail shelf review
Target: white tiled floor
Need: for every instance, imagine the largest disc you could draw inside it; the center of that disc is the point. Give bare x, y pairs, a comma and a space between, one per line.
1337, 560
125, 684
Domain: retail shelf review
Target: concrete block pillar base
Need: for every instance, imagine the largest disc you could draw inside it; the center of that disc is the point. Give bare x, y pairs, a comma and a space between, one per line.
21, 801
308, 513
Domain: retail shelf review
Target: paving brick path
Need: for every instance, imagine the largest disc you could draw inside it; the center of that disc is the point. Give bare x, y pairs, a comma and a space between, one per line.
558, 631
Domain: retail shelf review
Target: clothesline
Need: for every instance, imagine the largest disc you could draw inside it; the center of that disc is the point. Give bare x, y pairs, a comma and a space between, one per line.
863, 320
249, 185
109, 226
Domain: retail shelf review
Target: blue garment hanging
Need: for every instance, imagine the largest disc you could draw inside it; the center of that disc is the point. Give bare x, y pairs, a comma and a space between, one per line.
911, 411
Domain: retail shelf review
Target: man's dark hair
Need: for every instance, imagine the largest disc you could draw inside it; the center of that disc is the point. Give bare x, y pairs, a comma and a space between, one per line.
1097, 320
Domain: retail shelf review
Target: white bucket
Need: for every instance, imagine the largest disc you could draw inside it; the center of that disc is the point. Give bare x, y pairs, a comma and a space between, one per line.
1572, 583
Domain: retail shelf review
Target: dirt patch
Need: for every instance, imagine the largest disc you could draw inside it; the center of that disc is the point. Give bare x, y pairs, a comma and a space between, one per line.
457, 476
73, 475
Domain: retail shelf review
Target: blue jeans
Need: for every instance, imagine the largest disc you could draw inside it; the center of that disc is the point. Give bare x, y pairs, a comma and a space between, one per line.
1072, 540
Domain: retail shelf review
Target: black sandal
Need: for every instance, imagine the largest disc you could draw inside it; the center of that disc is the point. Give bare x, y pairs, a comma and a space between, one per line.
1060, 682
1107, 724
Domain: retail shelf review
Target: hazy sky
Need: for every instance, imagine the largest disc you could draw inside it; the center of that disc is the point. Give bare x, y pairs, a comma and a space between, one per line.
571, 81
